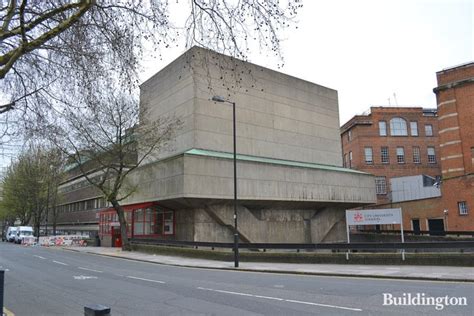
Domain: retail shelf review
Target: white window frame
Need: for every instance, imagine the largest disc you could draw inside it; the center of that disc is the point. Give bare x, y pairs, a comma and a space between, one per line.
369, 155
431, 156
428, 130
400, 155
398, 127
414, 128
382, 155
382, 128
380, 185
416, 155
462, 208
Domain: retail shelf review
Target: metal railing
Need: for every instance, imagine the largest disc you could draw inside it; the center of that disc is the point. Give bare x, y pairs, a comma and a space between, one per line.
420, 232
455, 245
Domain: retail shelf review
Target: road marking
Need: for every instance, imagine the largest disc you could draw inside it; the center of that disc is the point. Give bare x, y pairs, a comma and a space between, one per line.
87, 269
84, 277
39, 257
156, 281
282, 299
59, 262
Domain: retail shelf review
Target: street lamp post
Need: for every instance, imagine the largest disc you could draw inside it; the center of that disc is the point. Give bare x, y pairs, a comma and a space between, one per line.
236, 232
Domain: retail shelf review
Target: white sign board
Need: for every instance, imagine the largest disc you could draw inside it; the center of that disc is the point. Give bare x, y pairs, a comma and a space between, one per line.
374, 217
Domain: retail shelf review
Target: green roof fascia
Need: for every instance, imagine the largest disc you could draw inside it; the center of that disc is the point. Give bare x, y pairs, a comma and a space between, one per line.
225, 155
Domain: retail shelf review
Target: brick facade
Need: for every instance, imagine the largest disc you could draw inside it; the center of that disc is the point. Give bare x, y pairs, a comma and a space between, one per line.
362, 132
455, 98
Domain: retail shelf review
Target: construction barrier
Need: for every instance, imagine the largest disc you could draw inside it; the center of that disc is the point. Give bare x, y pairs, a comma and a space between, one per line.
63, 240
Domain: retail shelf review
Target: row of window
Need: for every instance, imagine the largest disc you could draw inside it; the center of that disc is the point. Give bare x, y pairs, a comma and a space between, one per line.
79, 184
398, 127
385, 156
85, 205
149, 221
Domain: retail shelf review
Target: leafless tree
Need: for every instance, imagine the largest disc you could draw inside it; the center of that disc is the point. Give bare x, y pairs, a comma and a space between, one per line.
65, 45
108, 139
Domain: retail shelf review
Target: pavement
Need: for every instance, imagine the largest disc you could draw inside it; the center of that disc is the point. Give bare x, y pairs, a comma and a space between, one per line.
429, 273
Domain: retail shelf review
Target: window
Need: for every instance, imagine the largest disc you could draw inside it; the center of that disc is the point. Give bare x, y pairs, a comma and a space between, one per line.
168, 223
148, 223
385, 158
346, 162
414, 128
380, 185
431, 155
429, 130
138, 222
382, 128
368, 155
400, 155
472, 155
349, 135
462, 207
350, 159
398, 127
416, 155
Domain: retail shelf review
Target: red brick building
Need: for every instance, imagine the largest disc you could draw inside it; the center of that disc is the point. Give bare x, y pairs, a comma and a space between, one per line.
392, 142
455, 98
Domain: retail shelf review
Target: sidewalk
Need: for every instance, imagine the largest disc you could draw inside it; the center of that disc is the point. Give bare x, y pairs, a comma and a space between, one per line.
439, 273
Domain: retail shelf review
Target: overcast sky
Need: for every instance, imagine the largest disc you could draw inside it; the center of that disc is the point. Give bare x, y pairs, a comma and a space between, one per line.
370, 50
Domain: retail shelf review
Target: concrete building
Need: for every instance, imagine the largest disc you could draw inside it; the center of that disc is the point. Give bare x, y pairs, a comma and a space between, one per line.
392, 142
292, 186
455, 97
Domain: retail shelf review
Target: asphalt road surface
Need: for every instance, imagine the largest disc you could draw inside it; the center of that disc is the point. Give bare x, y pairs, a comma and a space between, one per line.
47, 281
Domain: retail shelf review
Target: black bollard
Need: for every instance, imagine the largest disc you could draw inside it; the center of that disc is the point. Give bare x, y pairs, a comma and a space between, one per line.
2, 286
96, 310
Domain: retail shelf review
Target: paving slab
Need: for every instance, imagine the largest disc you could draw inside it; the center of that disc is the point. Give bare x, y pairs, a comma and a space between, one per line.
438, 273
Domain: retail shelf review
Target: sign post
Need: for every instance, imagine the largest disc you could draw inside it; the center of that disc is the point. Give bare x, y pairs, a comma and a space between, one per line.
374, 217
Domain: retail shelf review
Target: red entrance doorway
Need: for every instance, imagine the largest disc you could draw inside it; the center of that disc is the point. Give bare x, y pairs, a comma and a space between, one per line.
116, 237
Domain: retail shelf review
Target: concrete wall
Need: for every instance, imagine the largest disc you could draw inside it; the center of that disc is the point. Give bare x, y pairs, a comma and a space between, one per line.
278, 116
170, 93
214, 223
261, 181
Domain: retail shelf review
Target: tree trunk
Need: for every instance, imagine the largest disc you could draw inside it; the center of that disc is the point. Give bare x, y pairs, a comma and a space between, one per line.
55, 210
123, 225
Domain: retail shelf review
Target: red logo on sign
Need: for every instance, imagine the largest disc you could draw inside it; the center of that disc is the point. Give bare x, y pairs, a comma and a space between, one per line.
358, 217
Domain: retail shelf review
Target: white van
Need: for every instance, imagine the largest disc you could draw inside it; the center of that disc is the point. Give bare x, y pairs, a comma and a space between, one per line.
11, 233
22, 233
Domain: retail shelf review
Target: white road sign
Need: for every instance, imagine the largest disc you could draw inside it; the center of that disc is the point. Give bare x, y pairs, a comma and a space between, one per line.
374, 217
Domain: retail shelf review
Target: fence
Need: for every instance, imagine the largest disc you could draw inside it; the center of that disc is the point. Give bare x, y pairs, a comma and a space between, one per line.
420, 232
371, 246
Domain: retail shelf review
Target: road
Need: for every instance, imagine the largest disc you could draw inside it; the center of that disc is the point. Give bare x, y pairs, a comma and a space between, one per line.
48, 281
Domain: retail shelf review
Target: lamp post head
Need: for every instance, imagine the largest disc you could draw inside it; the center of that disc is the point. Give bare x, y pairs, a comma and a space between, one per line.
218, 98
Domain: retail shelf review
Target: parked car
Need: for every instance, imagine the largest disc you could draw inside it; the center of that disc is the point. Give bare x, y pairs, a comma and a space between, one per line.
11, 233
22, 233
